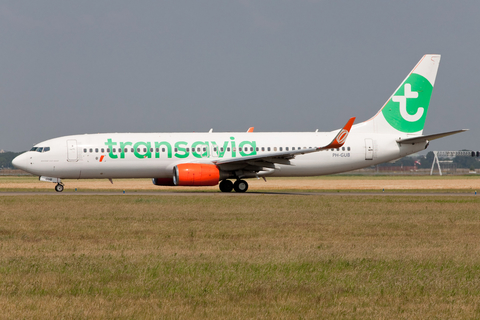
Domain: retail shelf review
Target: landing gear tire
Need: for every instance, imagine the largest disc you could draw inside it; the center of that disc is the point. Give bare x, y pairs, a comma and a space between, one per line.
240, 186
59, 187
226, 186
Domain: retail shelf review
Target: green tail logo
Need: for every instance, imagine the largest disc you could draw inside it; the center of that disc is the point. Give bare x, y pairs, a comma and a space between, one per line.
407, 110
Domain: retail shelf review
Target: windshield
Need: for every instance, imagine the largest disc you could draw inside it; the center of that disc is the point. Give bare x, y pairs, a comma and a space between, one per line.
40, 149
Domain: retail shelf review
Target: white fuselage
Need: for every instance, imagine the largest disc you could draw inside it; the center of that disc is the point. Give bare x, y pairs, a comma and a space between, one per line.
153, 155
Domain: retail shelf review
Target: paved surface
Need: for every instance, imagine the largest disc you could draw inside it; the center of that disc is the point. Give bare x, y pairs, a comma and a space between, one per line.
248, 193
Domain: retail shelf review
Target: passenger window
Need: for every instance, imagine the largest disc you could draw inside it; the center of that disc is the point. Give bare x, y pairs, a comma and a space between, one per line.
251, 148
204, 149
84, 150
286, 149
91, 150
343, 148
163, 149
258, 149
268, 149
275, 149
240, 149
157, 149
132, 150
215, 149
138, 149
338, 149
263, 148
103, 150
348, 148
221, 149
144, 149
228, 149
188, 149
151, 149
281, 149
125, 150
176, 150
96, 150
108, 150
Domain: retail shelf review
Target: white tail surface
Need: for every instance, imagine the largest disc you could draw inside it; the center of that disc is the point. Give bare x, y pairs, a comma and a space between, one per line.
406, 109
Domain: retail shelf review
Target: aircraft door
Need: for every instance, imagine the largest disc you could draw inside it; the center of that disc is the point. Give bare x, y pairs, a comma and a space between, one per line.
72, 150
368, 149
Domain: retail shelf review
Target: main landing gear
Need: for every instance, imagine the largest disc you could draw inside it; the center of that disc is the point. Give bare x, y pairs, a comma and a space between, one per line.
238, 186
59, 187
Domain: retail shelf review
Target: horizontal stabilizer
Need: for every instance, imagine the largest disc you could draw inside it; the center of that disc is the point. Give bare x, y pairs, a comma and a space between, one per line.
430, 137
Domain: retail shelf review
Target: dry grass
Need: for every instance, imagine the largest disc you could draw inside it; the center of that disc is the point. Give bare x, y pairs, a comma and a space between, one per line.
260, 256
452, 183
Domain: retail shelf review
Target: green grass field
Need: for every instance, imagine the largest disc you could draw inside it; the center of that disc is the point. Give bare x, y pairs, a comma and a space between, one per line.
250, 257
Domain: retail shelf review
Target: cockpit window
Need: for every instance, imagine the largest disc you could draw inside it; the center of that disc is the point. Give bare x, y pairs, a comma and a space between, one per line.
40, 149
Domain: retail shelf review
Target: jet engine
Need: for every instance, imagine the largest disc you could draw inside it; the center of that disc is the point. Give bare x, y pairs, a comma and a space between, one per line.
196, 174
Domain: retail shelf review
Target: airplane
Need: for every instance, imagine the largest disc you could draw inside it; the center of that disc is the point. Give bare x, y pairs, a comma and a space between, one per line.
210, 158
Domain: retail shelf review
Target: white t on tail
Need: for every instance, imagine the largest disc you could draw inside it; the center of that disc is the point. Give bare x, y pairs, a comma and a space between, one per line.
210, 158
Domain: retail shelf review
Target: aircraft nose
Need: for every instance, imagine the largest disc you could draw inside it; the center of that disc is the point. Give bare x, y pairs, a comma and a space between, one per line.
20, 161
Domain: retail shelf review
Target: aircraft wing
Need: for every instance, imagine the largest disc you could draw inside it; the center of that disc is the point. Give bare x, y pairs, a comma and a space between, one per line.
283, 157
429, 137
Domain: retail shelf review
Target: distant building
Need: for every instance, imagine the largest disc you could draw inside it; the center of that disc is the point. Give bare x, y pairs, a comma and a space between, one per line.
2, 151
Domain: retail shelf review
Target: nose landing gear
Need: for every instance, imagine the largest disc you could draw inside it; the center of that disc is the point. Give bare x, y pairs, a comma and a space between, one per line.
59, 187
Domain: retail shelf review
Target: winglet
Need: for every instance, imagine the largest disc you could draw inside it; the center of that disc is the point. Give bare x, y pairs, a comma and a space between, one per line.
250, 129
341, 137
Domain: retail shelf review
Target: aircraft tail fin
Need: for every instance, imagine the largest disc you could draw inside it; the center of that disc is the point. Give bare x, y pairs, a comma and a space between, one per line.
406, 109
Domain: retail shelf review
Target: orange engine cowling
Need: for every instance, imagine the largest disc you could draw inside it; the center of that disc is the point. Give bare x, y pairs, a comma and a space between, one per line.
196, 174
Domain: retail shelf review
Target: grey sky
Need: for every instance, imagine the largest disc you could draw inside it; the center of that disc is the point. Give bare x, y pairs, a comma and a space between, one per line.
70, 67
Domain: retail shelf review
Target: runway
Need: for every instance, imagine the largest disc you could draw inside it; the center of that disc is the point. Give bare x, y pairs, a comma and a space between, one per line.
234, 194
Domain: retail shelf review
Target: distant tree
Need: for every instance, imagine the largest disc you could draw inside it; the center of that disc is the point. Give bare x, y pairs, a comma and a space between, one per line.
467, 162
405, 162
6, 159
